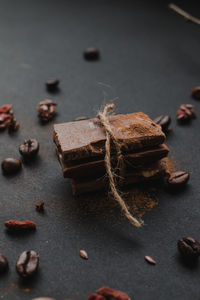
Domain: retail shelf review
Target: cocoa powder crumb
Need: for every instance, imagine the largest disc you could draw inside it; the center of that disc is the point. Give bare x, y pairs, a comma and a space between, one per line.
39, 207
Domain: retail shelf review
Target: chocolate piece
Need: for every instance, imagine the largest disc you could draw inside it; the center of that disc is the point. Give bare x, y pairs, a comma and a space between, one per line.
92, 167
86, 138
81, 186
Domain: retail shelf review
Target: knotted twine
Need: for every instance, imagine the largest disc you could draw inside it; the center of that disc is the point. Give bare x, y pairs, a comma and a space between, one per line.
103, 117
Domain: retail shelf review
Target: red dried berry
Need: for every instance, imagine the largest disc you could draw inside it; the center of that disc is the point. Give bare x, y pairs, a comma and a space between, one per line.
196, 93
7, 118
4, 120
111, 294
6, 108
185, 112
4, 116
20, 225
96, 297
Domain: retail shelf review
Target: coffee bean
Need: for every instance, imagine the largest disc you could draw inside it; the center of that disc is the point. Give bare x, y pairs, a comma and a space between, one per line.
46, 110
91, 53
189, 247
11, 165
178, 178
164, 122
3, 263
29, 148
196, 93
27, 263
52, 83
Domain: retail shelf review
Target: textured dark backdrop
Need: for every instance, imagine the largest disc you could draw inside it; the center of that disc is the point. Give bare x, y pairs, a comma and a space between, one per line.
150, 61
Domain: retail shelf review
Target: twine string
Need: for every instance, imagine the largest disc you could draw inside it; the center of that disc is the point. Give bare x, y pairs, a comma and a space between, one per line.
103, 117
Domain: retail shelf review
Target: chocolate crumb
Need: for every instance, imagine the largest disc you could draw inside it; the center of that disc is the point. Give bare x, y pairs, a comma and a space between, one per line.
39, 207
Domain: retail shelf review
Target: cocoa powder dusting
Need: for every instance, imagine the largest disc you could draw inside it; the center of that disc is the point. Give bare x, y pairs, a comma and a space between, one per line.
170, 165
139, 199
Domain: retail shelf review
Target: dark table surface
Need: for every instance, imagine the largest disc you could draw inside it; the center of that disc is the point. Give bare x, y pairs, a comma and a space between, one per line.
149, 60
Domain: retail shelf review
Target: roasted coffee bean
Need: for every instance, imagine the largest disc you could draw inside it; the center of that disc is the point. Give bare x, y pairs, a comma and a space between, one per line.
52, 83
196, 93
46, 110
3, 263
164, 122
29, 148
27, 263
189, 247
11, 165
91, 53
185, 113
178, 178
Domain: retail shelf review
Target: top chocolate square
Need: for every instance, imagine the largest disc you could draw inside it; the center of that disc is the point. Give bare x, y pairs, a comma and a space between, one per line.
86, 138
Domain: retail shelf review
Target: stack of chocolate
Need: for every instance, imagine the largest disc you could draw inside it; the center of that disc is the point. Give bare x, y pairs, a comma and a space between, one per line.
80, 147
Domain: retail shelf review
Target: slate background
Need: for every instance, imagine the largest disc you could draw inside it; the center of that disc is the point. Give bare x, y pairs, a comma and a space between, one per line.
150, 61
